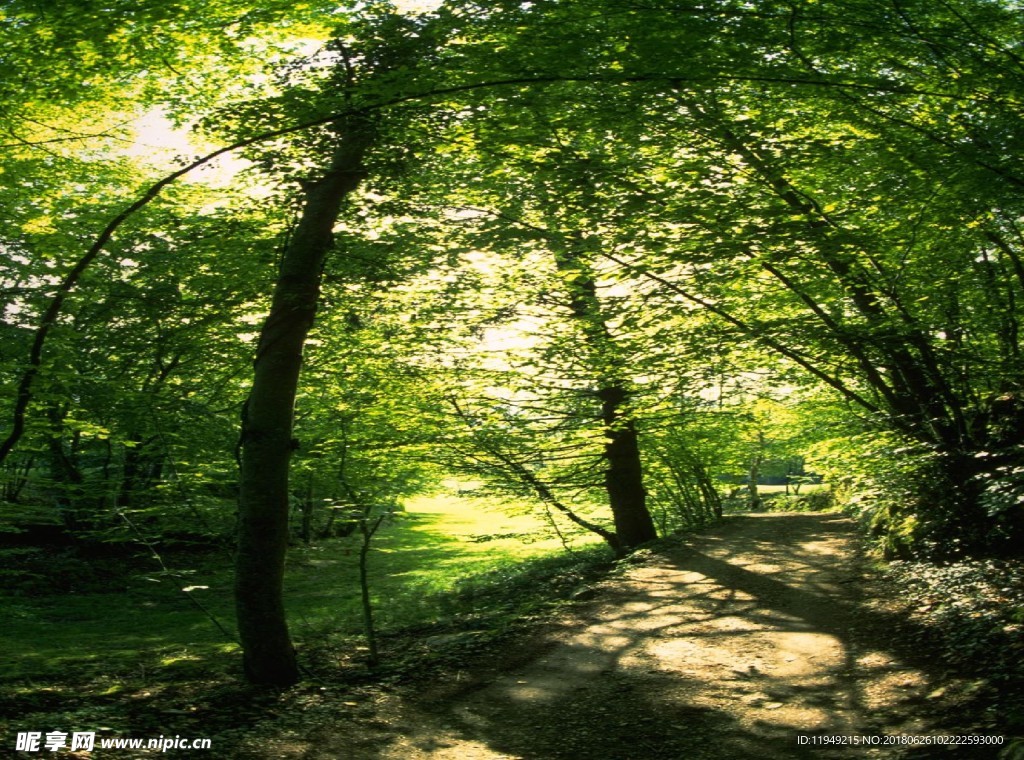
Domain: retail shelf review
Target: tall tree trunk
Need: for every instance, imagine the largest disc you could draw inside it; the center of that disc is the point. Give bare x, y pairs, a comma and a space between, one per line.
67, 478
623, 475
754, 474
267, 441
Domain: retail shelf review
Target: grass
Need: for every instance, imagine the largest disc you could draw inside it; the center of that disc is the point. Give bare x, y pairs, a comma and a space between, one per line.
437, 549
427, 567
140, 659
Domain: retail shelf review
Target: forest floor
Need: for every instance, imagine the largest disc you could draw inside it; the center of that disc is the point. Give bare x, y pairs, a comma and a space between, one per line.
732, 643
753, 638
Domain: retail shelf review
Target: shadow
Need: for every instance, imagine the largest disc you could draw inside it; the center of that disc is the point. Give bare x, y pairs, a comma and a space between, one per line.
730, 646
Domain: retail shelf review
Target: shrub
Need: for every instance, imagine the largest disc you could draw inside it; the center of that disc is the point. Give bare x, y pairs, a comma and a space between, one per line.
890, 486
819, 500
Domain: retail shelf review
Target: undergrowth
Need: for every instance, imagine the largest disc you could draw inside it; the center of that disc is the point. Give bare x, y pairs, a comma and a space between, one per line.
975, 609
199, 692
112, 644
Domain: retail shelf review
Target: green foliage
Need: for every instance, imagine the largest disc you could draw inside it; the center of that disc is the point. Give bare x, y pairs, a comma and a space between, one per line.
917, 502
817, 500
680, 483
731, 220
1002, 484
880, 480
975, 612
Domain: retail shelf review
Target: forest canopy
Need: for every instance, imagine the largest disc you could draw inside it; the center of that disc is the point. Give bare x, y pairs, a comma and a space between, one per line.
271, 267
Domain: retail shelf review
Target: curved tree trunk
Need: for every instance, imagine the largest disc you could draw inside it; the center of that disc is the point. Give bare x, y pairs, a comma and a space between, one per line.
266, 441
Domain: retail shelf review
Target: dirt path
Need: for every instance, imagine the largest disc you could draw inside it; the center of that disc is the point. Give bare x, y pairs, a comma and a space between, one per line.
730, 646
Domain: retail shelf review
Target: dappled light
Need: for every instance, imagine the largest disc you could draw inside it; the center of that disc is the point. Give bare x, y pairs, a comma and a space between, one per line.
741, 639
497, 379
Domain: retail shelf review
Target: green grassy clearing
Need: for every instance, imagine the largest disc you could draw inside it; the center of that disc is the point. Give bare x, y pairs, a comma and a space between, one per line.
142, 660
427, 568
423, 567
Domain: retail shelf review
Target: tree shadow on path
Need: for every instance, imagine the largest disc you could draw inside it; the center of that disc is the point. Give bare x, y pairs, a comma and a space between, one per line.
733, 645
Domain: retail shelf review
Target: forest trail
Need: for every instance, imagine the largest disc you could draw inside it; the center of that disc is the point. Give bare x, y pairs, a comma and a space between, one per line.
730, 645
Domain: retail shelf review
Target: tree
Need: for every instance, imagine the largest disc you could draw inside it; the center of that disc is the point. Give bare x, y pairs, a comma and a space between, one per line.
835, 185
390, 46
786, 218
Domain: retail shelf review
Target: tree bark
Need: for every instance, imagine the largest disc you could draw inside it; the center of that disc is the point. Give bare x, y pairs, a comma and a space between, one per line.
266, 440
754, 474
623, 475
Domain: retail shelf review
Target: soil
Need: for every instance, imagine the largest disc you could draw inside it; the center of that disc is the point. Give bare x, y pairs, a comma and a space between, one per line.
733, 643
